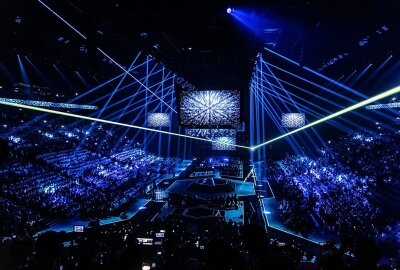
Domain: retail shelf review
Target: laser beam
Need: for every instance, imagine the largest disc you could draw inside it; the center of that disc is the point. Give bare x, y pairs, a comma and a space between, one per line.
104, 53
110, 122
331, 116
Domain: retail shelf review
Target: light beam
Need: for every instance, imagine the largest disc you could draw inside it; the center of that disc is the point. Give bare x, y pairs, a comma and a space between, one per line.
109, 122
336, 114
105, 54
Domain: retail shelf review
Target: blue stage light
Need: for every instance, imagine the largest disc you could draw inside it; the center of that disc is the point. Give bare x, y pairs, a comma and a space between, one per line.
94, 120
229, 10
48, 104
363, 103
111, 60
383, 106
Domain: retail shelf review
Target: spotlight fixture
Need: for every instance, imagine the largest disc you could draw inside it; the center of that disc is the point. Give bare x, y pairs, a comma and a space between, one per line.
229, 10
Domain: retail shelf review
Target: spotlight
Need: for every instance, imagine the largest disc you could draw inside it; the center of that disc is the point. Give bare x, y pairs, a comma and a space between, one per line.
229, 10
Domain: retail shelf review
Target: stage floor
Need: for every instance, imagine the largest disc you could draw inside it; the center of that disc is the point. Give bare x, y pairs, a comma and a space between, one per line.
241, 189
235, 215
67, 225
131, 210
275, 221
178, 170
272, 213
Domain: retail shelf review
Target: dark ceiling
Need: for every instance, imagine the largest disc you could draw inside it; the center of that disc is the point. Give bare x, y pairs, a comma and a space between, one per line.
198, 39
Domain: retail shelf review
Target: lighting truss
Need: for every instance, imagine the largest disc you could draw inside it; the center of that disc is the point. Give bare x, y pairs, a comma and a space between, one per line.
209, 108
158, 120
224, 144
383, 106
293, 120
39, 109
49, 104
210, 133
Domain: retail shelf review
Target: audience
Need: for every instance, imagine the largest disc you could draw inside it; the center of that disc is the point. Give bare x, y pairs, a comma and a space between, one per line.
335, 192
67, 171
51, 172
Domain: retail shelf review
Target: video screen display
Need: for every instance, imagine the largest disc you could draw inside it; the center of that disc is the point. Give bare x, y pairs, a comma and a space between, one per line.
210, 133
224, 144
79, 228
209, 108
293, 120
145, 241
155, 120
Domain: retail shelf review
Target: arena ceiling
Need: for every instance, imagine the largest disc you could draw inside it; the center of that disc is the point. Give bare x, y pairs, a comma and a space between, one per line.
198, 39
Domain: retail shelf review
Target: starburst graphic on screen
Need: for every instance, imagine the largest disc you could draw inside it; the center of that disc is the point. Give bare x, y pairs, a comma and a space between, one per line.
210, 108
293, 120
224, 144
158, 120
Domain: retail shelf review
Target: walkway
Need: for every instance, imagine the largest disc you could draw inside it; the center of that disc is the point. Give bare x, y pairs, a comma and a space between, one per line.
272, 213
67, 225
131, 210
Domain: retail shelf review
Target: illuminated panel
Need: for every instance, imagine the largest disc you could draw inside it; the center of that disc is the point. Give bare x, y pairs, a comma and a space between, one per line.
360, 104
48, 104
158, 120
293, 120
106, 121
209, 108
210, 133
224, 143
383, 106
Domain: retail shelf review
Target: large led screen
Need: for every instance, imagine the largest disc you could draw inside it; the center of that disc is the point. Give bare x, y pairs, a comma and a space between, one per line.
224, 144
209, 108
158, 120
293, 120
210, 133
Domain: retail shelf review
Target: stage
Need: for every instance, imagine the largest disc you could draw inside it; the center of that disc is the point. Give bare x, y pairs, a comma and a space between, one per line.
276, 222
131, 210
67, 225
183, 187
272, 213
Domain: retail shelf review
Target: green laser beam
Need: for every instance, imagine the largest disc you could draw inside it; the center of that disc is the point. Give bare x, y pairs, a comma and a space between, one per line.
112, 122
336, 114
252, 148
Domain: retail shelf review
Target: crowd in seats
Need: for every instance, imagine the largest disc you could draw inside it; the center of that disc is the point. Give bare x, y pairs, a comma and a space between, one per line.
18, 219
314, 190
52, 171
366, 149
178, 243
335, 192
